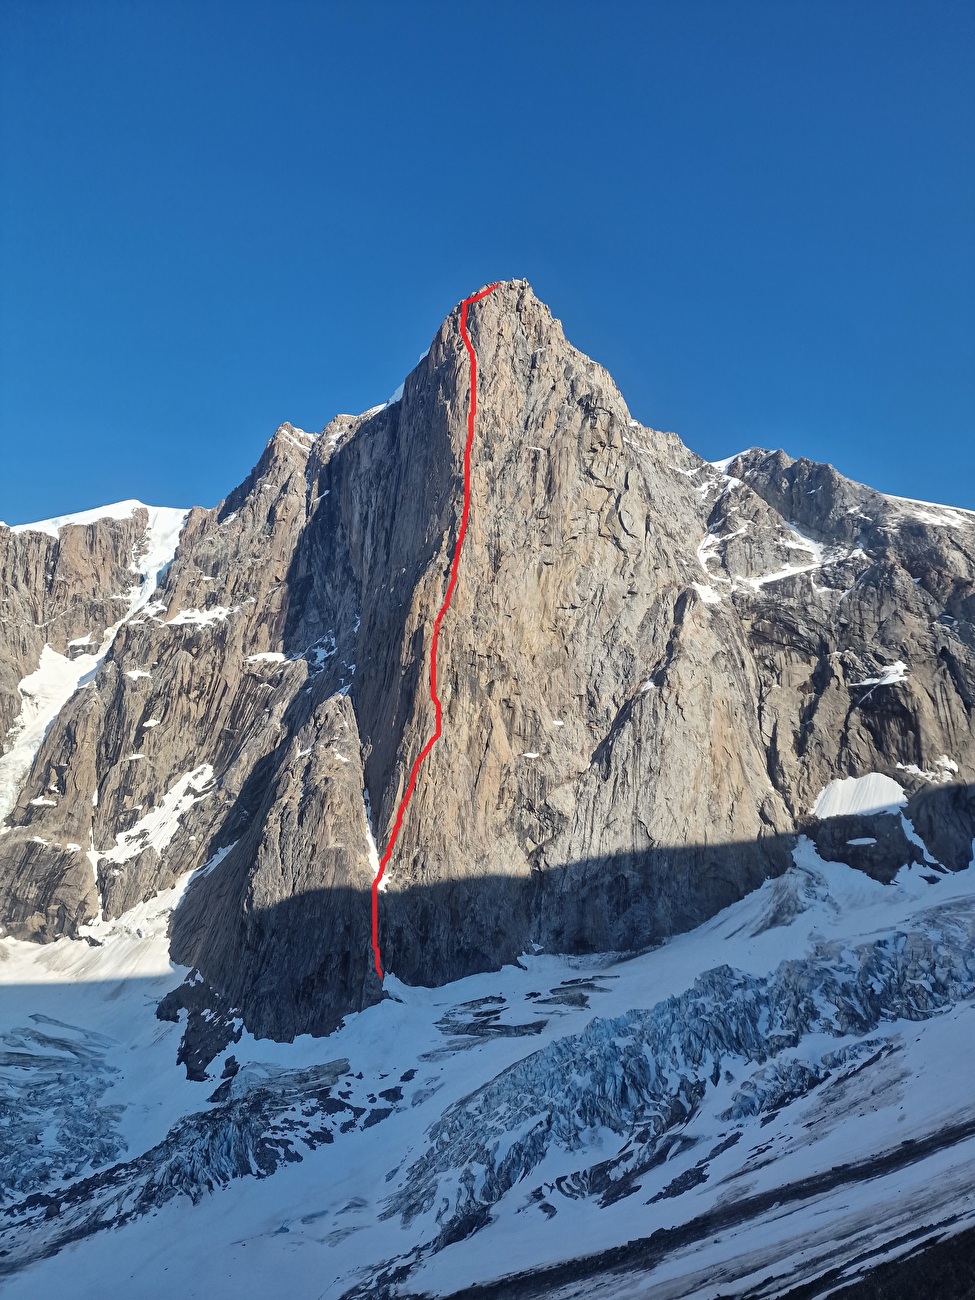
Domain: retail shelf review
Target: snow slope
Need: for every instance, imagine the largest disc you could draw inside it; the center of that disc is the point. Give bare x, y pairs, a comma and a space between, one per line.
785, 1088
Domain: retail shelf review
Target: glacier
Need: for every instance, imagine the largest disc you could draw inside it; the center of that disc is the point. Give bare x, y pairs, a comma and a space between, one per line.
771, 1094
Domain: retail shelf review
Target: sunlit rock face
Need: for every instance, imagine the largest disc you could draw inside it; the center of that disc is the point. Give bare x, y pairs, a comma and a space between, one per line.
653, 672
696, 839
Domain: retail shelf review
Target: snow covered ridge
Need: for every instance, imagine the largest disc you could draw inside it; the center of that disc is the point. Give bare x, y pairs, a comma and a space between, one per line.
946, 516
158, 516
46, 691
769, 551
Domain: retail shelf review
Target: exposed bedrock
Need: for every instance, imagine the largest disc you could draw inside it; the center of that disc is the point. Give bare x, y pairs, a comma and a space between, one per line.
650, 670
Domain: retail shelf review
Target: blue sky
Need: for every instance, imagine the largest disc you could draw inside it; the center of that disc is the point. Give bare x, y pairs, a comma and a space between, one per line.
217, 216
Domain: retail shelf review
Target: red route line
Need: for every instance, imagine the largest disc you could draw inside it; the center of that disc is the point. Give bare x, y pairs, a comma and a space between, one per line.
404, 803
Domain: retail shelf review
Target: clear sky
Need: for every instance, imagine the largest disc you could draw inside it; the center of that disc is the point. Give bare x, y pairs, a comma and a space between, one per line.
217, 215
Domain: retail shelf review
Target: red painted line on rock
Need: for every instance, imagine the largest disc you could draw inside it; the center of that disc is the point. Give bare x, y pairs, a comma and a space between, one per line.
404, 803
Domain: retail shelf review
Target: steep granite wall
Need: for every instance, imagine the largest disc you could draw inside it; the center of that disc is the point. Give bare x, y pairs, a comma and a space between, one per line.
651, 669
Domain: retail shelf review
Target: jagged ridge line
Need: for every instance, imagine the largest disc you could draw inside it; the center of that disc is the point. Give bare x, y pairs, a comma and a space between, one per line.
435, 639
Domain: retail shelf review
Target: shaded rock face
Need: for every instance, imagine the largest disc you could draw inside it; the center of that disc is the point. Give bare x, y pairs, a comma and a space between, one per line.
650, 669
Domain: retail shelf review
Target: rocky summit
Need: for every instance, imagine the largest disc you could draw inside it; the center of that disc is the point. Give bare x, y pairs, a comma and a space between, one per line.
705, 779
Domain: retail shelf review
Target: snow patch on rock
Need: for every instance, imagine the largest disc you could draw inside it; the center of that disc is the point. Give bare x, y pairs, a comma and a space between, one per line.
46, 691
861, 796
156, 829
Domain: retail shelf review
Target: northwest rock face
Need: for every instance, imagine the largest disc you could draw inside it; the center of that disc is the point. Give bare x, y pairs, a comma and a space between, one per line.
651, 668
